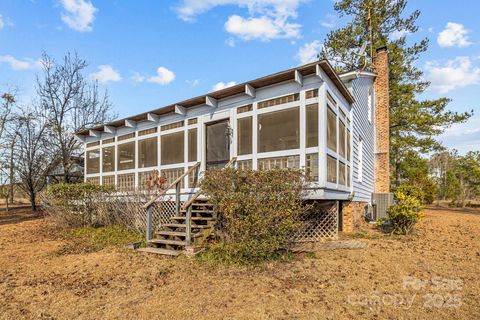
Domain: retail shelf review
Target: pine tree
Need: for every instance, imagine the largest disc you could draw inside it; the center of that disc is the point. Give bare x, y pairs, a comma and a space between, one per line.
414, 123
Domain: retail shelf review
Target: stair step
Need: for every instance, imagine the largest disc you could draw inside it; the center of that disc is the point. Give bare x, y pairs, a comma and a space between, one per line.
195, 218
181, 225
174, 233
167, 241
160, 251
198, 210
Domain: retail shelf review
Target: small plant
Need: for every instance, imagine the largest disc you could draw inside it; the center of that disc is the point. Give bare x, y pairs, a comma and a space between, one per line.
404, 214
75, 205
258, 212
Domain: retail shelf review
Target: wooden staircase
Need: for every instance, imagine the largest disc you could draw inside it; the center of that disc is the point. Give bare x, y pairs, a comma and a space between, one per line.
171, 238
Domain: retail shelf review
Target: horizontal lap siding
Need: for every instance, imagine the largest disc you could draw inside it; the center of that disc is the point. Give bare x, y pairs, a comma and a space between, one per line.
362, 128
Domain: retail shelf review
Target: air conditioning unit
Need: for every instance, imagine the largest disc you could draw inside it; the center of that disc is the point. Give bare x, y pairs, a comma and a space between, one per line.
381, 202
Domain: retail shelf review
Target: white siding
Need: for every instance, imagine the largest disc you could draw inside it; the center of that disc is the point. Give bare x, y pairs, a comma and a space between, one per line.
362, 127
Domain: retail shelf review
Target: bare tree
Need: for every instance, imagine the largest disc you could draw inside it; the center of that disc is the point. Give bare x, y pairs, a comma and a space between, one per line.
8, 101
71, 103
33, 154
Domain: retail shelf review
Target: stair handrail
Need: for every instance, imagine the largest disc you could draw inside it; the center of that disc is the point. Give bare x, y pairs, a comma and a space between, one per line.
174, 183
200, 191
148, 205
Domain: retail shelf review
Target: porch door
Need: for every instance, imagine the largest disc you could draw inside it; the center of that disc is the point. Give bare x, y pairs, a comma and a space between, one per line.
218, 144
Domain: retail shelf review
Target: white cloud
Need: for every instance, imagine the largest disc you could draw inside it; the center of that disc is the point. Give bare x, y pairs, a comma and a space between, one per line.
454, 34
456, 73
223, 85
329, 22
106, 74
268, 19
163, 77
230, 42
2, 23
399, 34
17, 64
263, 28
193, 83
309, 51
79, 14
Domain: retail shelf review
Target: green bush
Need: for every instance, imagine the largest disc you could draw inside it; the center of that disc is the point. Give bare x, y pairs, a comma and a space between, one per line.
79, 204
258, 212
424, 192
405, 213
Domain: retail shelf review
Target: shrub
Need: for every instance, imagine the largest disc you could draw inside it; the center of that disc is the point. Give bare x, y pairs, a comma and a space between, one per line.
258, 212
424, 192
79, 204
405, 213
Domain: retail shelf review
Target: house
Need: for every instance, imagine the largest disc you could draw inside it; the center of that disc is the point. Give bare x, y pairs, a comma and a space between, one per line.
335, 126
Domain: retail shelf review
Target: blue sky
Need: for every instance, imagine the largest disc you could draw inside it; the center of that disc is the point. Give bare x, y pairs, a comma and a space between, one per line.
149, 53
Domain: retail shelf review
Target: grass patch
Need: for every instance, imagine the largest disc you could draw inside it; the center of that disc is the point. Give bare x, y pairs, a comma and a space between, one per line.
91, 239
235, 254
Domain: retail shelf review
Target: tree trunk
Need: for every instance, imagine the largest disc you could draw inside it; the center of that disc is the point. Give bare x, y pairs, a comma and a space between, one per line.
11, 173
33, 204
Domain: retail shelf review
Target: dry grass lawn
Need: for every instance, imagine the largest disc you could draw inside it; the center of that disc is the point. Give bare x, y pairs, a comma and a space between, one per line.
433, 274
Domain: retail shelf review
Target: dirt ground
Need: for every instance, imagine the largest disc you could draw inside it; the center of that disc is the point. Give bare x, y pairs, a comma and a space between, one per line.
433, 274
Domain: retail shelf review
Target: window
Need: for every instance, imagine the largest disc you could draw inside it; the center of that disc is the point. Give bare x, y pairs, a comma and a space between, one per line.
172, 125
244, 135
147, 153
349, 176
342, 136
342, 173
147, 131
370, 104
108, 159
331, 169
172, 146
94, 180
312, 125
279, 163
173, 174
280, 100
311, 94
126, 182
192, 121
331, 130
311, 166
348, 145
108, 180
360, 159
192, 144
244, 165
93, 161
110, 140
126, 156
331, 99
279, 130
126, 136
243, 109
93, 144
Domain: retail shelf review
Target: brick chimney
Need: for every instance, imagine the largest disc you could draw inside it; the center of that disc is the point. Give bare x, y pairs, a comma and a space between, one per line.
382, 121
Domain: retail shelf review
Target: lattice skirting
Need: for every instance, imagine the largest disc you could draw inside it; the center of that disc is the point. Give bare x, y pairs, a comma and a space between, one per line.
319, 223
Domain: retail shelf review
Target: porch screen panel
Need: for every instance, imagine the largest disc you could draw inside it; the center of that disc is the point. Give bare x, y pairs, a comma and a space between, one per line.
192, 145
342, 173
244, 136
172, 146
331, 169
126, 156
331, 130
93, 161
311, 166
348, 145
342, 136
108, 181
312, 125
108, 159
218, 142
279, 130
147, 153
